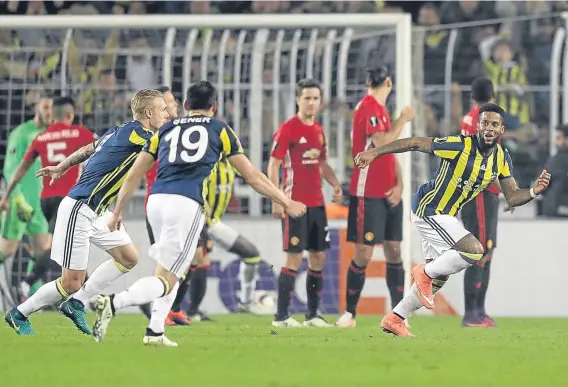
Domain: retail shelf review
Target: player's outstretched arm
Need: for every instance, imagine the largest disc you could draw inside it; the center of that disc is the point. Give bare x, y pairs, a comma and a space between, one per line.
517, 197
141, 166
261, 184
73, 159
418, 144
273, 172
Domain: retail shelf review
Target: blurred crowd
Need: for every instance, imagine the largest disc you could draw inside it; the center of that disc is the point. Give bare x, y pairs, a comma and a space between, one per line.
103, 67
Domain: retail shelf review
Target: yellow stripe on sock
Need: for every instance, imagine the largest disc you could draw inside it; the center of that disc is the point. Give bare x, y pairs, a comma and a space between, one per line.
471, 257
121, 267
166, 285
60, 288
252, 260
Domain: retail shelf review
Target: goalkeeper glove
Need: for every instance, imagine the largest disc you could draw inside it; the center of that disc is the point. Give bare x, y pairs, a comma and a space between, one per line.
23, 209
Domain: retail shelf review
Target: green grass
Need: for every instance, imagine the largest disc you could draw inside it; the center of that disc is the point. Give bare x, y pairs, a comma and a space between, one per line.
239, 350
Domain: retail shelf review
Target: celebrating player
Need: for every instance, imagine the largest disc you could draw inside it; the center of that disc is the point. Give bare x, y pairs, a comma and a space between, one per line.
300, 147
187, 150
24, 215
469, 164
83, 212
52, 146
479, 217
375, 206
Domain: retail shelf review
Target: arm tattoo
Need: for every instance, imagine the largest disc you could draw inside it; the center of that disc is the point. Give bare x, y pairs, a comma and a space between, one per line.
515, 197
78, 156
419, 144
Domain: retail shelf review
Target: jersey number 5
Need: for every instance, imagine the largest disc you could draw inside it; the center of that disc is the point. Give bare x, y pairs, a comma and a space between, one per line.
55, 151
193, 147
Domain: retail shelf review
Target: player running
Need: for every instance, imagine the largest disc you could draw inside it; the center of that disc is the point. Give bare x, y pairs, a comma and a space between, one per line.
375, 204
479, 217
82, 215
24, 215
469, 165
52, 146
187, 150
300, 147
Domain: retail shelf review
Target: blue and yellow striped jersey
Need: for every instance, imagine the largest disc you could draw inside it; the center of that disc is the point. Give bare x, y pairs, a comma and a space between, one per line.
107, 167
464, 172
220, 189
187, 150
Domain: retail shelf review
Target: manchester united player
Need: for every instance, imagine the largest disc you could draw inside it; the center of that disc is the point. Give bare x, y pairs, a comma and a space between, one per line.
375, 207
300, 148
479, 217
52, 146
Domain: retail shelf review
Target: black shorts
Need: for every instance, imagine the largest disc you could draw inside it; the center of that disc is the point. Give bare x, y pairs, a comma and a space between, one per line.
49, 207
480, 216
308, 232
371, 221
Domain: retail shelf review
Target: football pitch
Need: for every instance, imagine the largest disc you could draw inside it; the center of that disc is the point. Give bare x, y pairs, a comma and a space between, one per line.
244, 350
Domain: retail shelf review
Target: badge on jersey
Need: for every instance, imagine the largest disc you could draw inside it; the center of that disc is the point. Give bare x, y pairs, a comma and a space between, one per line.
374, 121
441, 140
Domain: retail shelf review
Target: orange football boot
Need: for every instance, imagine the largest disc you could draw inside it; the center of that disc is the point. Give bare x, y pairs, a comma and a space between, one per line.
178, 318
423, 285
395, 325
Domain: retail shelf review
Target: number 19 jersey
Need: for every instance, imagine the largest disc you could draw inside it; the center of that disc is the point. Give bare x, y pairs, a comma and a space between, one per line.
187, 150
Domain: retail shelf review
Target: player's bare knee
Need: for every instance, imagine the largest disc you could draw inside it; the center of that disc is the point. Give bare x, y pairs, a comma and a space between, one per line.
125, 256
363, 254
244, 248
316, 260
293, 261
72, 280
169, 279
392, 252
470, 249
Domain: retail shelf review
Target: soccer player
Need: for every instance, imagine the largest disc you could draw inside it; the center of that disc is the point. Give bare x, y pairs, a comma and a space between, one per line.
24, 215
187, 150
300, 147
82, 214
52, 146
173, 111
479, 217
469, 164
375, 205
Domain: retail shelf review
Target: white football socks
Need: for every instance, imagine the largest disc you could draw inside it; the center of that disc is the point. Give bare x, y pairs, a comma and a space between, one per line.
103, 276
409, 304
247, 277
448, 263
160, 310
141, 292
47, 294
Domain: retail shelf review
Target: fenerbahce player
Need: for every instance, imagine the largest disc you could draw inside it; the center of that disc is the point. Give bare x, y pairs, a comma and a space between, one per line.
479, 217
300, 147
375, 207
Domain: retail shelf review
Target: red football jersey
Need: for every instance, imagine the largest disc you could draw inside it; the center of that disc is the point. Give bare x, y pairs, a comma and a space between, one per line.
150, 178
54, 145
301, 147
374, 181
469, 127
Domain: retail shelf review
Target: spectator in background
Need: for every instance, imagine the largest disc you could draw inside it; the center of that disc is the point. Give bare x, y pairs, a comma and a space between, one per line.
466, 66
140, 66
435, 48
556, 196
539, 55
508, 75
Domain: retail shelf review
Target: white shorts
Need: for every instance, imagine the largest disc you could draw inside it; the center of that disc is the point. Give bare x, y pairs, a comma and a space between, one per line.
177, 222
78, 226
439, 233
224, 235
